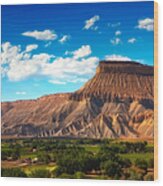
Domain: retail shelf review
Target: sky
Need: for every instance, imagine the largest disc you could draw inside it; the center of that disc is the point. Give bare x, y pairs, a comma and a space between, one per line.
55, 48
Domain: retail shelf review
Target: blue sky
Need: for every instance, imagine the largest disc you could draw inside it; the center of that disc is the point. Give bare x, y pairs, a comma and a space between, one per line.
56, 48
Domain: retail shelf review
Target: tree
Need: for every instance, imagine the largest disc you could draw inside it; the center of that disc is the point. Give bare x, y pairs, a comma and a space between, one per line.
70, 165
151, 163
14, 154
57, 172
12, 172
111, 169
125, 163
74, 159
142, 164
44, 158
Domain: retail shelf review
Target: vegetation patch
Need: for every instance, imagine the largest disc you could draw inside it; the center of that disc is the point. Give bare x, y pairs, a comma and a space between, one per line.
77, 159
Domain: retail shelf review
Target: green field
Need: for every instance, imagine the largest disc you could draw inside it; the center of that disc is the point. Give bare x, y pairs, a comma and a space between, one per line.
73, 158
132, 157
28, 169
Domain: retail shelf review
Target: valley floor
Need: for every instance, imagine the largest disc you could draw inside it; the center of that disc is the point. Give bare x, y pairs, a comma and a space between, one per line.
78, 158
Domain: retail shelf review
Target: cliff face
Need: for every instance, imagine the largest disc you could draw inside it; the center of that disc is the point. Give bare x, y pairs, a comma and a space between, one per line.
119, 80
116, 102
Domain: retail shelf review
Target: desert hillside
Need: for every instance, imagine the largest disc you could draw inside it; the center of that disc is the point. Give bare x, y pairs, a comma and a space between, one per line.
116, 103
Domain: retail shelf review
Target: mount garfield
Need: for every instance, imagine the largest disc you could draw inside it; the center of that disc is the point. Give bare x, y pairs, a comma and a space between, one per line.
118, 102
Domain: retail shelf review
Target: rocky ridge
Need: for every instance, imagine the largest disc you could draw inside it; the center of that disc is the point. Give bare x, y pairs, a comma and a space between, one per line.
116, 103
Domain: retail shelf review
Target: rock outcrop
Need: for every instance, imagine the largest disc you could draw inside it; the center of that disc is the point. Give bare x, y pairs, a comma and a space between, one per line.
116, 103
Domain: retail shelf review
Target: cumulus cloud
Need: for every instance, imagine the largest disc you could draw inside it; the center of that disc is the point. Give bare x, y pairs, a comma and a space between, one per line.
24, 68
65, 66
118, 32
45, 35
89, 24
8, 52
115, 57
64, 39
29, 48
132, 40
84, 51
115, 41
18, 65
146, 24
3, 71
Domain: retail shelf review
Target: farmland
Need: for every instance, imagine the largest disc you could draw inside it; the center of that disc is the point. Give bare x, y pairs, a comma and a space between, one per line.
78, 158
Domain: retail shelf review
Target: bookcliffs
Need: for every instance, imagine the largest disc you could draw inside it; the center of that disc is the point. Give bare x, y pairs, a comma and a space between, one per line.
118, 102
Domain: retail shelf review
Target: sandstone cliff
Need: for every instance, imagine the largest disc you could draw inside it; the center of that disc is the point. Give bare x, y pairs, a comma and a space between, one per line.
116, 103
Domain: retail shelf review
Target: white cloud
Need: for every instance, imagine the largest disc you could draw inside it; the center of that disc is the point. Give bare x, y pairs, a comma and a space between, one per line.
84, 51
71, 80
8, 52
118, 32
18, 65
63, 67
57, 82
42, 57
147, 24
115, 41
21, 93
22, 69
90, 22
78, 80
115, 57
132, 40
29, 48
45, 35
64, 39
3, 71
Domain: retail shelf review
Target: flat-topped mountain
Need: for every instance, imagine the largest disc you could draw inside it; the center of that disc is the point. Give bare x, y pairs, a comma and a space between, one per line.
116, 103
119, 80
124, 67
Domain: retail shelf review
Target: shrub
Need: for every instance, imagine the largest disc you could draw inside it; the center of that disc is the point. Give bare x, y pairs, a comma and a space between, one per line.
66, 176
142, 164
135, 174
79, 175
40, 173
